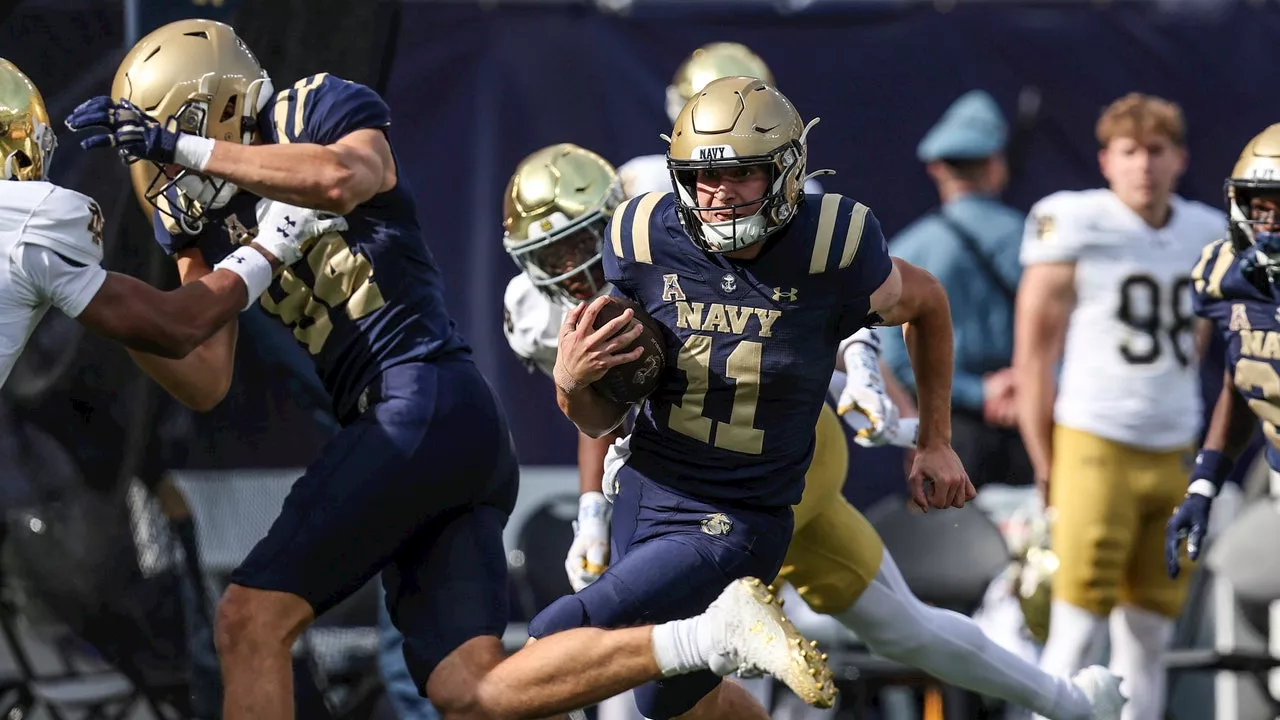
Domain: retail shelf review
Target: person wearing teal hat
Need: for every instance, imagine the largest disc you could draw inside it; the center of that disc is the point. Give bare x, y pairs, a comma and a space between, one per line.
971, 244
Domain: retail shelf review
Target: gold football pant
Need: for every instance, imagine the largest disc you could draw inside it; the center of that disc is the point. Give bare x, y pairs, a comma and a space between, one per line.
834, 552
1112, 502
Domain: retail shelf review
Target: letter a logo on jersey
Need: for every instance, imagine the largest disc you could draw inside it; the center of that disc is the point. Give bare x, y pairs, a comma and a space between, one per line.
1239, 318
671, 288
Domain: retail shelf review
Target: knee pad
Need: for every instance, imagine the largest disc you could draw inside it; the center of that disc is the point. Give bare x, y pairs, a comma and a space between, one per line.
566, 613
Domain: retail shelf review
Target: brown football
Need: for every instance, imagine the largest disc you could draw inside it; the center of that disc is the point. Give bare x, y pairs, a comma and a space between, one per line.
634, 381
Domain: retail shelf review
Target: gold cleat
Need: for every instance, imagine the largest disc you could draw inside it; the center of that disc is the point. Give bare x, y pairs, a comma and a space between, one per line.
754, 626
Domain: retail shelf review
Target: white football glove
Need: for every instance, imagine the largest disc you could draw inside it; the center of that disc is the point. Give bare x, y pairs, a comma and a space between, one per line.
286, 231
864, 392
589, 554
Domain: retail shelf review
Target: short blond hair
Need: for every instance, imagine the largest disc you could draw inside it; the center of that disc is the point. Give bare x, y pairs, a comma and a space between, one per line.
1140, 117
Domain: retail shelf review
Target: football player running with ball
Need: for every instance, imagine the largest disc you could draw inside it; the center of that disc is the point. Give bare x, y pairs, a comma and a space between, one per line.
720, 450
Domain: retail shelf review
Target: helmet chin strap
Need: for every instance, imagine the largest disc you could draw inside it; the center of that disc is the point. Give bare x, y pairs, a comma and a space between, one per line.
740, 232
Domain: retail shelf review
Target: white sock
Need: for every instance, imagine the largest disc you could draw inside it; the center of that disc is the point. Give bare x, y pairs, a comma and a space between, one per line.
897, 625
1074, 635
683, 646
1138, 638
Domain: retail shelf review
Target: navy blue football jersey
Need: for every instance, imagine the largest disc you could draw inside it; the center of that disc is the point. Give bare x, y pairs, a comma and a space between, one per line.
1245, 309
750, 344
363, 300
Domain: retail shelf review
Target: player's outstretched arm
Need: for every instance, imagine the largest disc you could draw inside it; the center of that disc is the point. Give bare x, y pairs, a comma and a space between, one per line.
1046, 297
202, 378
335, 177
584, 355
913, 298
173, 324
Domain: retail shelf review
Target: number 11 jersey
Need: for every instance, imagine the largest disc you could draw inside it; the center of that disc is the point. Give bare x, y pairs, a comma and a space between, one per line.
1129, 372
751, 345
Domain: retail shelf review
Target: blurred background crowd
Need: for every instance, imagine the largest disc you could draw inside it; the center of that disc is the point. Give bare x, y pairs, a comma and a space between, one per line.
123, 511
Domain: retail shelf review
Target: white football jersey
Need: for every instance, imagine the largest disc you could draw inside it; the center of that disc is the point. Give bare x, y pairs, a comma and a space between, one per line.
531, 322
1129, 373
50, 255
648, 173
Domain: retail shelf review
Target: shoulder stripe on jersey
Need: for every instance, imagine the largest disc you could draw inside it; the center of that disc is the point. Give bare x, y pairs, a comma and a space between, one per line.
853, 237
1197, 272
640, 227
825, 233
1226, 256
615, 226
291, 104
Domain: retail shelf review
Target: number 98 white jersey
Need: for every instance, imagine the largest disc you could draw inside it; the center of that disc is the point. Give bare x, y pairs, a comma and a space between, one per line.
1129, 371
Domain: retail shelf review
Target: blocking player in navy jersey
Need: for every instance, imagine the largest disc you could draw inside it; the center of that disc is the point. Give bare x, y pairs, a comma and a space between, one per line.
1234, 285
754, 291
420, 481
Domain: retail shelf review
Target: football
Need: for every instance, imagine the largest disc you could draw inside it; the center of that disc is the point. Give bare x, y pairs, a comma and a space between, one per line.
634, 381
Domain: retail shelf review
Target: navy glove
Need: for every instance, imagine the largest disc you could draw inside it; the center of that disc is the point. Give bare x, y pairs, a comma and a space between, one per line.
1189, 522
128, 129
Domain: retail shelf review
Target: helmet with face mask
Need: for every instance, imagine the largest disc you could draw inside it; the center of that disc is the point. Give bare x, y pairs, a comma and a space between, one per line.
26, 140
1256, 172
555, 209
739, 122
198, 77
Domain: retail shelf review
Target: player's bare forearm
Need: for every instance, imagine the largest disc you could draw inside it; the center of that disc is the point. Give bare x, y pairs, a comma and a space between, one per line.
1232, 425
591, 452
169, 324
202, 378
924, 312
1046, 297
334, 177
594, 414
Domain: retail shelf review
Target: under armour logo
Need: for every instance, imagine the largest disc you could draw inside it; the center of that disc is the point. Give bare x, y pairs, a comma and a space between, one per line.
789, 296
281, 228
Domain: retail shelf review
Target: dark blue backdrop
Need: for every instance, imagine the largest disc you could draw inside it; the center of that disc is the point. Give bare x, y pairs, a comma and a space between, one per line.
474, 90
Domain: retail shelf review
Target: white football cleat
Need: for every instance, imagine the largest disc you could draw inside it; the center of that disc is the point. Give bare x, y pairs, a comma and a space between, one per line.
757, 638
1102, 688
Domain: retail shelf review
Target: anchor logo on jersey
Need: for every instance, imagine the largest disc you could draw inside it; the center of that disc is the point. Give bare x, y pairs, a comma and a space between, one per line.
728, 283
717, 524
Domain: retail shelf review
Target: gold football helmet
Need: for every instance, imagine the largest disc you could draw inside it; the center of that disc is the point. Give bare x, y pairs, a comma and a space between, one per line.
712, 62
738, 122
555, 209
27, 141
1257, 172
200, 76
